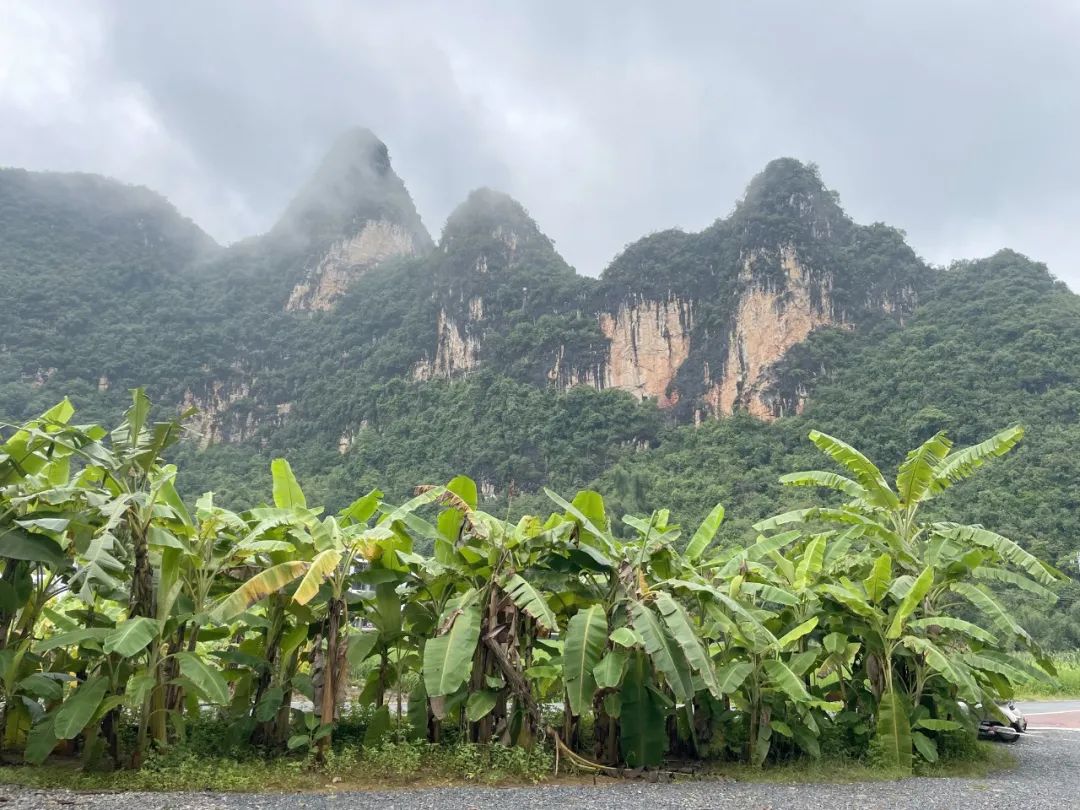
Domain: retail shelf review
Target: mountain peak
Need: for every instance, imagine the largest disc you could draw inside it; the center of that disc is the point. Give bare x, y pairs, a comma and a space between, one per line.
490, 214
355, 183
491, 235
783, 177
787, 201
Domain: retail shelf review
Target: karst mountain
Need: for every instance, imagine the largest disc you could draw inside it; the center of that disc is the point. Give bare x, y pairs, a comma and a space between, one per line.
374, 353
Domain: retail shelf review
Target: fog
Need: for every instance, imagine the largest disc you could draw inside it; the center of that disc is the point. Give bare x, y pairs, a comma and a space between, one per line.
955, 121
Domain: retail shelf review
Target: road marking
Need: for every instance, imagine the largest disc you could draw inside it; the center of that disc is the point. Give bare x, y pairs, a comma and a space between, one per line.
1060, 711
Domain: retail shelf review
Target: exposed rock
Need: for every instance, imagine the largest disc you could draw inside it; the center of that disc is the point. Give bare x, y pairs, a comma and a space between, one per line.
476, 308
649, 341
779, 303
42, 376
456, 351
348, 437
209, 424
563, 374
767, 323
508, 236
346, 260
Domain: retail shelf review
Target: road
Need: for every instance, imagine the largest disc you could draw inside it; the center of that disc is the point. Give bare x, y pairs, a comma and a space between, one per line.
1047, 714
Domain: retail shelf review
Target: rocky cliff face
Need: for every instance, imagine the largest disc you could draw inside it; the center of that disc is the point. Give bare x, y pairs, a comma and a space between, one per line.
648, 342
353, 214
212, 407
457, 346
347, 260
493, 269
226, 412
769, 320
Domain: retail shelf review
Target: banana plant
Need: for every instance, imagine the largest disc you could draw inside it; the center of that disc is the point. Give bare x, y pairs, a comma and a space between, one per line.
774, 648
486, 615
865, 614
104, 660
906, 581
634, 654
340, 547
276, 549
46, 514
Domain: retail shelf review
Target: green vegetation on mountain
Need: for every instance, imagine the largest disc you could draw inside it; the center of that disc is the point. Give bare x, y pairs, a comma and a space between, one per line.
109, 288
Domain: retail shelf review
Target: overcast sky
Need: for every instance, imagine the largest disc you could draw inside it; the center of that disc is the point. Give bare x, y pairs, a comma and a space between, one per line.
958, 122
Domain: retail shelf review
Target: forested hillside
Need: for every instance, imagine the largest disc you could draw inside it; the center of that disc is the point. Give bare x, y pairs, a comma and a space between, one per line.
689, 372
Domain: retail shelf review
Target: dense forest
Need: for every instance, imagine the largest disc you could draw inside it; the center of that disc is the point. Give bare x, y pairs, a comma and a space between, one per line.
484, 353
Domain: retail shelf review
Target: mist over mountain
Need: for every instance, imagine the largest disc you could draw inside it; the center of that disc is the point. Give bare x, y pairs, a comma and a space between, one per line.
689, 372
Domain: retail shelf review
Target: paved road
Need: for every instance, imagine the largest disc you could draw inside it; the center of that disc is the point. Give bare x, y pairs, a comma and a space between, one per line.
1051, 713
1047, 776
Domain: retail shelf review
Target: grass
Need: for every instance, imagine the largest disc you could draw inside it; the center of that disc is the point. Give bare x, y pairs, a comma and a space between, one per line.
404, 765
211, 758
392, 765
1065, 685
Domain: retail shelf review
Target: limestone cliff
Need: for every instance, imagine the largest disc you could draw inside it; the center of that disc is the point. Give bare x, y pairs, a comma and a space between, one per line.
768, 321
229, 411
648, 342
347, 260
353, 214
493, 271
777, 301
208, 425
456, 347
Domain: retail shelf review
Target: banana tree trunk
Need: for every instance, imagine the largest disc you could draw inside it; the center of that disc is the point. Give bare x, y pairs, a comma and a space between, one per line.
265, 733
331, 668
142, 604
11, 573
110, 729
279, 733
519, 686
174, 695
606, 735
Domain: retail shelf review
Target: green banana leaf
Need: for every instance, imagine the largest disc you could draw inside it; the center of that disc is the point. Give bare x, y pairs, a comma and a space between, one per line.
642, 735
894, 731
586, 637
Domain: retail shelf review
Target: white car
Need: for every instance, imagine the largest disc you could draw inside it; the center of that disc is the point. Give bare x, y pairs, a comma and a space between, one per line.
1007, 723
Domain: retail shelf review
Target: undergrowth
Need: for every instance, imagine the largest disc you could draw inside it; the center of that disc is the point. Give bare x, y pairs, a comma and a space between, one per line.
391, 764
1065, 685
208, 762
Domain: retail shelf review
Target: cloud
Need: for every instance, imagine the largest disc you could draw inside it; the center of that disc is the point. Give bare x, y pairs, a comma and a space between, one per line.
951, 120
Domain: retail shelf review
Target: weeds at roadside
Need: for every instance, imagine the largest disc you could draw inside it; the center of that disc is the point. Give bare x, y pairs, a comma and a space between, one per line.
391, 764
1065, 685
419, 764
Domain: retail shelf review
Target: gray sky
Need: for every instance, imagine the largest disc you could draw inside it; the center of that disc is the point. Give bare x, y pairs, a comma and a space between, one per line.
956, 121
